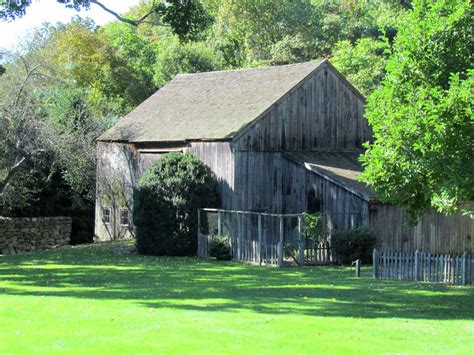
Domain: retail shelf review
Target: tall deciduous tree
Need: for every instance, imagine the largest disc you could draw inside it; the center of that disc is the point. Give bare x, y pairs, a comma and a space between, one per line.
422, 116
20, 128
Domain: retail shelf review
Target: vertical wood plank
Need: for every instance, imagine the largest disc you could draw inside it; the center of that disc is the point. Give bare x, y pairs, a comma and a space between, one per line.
301, 241
375, 263
281, 240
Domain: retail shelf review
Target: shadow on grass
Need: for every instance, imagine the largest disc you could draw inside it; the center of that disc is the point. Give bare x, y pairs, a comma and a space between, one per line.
105, 272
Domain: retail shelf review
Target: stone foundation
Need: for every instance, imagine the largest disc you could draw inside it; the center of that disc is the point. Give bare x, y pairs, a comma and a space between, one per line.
21, 234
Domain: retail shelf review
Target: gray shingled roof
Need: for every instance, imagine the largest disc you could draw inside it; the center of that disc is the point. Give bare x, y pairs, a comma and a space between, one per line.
213, 105
343, 168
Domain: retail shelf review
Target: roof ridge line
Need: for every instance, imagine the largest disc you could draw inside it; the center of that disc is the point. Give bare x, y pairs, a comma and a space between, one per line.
319, 61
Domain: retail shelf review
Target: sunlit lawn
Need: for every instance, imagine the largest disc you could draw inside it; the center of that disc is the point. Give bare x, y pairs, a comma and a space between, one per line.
102, 299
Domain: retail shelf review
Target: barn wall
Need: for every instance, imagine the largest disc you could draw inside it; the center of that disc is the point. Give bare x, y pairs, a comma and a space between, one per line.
119, 166
345, 209
323, 113
219, 157
434, 233
118, 169
258, 179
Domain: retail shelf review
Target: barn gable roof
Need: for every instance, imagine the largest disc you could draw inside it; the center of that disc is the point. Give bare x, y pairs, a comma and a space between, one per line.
209, 106
341, 168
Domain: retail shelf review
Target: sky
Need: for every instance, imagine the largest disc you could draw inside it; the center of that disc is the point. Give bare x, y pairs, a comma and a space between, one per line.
41, 11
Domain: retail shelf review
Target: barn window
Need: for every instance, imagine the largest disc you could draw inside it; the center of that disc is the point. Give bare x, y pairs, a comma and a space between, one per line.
124, 217
314, 202
106, 215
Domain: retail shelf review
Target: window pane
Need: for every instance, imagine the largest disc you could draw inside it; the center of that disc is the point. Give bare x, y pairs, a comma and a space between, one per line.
124, 217
106, 215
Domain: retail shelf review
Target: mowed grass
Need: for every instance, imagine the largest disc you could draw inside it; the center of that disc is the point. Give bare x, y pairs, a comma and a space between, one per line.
99, 299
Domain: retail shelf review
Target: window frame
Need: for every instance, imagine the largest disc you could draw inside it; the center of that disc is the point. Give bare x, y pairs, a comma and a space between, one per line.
106, 218
122, 210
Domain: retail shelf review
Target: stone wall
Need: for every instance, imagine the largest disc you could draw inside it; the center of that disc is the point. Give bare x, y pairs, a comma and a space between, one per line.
27, 234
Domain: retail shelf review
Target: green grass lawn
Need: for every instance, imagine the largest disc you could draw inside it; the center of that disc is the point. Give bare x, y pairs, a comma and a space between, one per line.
101, 299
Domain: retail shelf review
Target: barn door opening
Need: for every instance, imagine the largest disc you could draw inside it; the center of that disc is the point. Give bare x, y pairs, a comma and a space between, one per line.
313, 202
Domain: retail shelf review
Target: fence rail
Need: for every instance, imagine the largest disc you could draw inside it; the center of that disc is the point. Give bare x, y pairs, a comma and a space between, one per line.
419, 266
262, 238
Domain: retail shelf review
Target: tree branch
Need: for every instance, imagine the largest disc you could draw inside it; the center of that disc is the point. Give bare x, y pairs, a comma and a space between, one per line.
11, 173
23, 84
124, 19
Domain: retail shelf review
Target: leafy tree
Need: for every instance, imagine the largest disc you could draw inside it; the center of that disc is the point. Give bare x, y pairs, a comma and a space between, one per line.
165, 205
362, 63
86, 56
137, 51
20, 127
422, 116
256, 32
47, 146
174, 57
247, 30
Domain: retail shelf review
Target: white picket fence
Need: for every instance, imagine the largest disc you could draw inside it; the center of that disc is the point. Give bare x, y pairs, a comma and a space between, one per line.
419, 266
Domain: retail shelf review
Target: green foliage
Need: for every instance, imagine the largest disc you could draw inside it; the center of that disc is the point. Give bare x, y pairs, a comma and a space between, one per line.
219, 248
315, 227
352, 244
74, 127
174, 58
166, 200
362, 63
52, 130
137, 52
422, 116
188, 18
256, 32
86, 57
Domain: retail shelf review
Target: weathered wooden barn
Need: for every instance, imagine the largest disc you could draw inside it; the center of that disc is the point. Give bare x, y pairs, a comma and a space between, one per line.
283, 139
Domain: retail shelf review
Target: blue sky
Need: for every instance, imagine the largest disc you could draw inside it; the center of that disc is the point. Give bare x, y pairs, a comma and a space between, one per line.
42, 11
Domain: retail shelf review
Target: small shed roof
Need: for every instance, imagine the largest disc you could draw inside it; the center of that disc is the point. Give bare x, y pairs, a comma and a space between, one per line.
208, 106
342, 168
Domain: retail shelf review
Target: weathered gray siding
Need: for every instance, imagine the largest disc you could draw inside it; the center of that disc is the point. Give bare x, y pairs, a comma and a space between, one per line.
118, 169
324, 112
120, 165
219, 157
345, 209
434, 233
258, 181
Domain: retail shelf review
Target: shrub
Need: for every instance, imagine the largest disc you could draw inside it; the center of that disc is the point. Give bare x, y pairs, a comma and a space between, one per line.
352, 244
220, 248
166, 199
315, 227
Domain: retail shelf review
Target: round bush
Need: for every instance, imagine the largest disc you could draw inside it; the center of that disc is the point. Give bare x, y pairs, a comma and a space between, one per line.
352, 244
219, 248
166, 199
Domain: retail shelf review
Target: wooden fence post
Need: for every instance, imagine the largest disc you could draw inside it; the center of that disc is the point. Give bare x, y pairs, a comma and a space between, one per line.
464, 269
239, 236
199, 233
280, 243
208, 242
300, 242
375, 261
357, 267
219, 223
417, 264
260, 237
